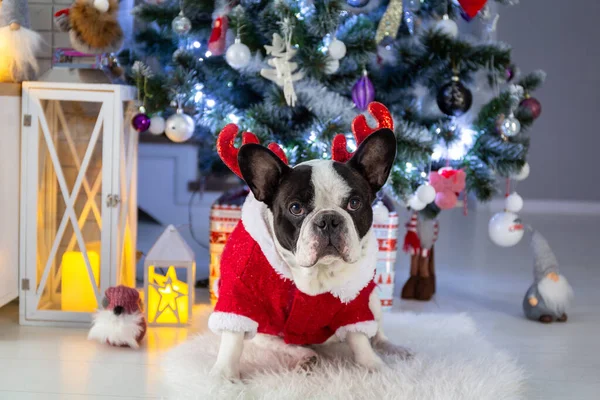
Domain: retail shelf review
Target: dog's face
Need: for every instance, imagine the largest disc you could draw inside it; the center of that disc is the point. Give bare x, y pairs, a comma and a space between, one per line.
321, 209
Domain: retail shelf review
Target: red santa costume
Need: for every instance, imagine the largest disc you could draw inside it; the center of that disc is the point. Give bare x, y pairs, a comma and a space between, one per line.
257, 293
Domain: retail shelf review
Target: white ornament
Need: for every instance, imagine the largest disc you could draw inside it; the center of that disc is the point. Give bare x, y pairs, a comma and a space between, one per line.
238, 55
505, 229
337, 49
381, 214
522, 174
284, 72
425, 193
101, 5
157, 125
180, 127
513, 203
332, 66
447, 26
416, 204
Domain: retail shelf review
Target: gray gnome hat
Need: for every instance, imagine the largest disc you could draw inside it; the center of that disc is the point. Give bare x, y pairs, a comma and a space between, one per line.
543, 257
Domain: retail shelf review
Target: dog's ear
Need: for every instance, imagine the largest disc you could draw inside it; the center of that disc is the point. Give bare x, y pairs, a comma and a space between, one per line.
262, 170
374, 157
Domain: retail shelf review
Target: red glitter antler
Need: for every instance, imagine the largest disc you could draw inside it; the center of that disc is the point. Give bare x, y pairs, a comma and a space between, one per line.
360, 130
229, 153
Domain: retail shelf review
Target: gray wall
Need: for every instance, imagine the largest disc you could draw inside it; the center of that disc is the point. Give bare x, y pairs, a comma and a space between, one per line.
560, 37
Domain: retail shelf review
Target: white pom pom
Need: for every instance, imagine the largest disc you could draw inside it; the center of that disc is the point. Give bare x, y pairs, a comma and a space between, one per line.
337, 49
381, 214
416, 204
101, 5
522, 174
506, 229
513, 203
426, 193
157, 125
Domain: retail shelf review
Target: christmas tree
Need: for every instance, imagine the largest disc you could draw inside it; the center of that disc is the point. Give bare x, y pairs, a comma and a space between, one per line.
299, 72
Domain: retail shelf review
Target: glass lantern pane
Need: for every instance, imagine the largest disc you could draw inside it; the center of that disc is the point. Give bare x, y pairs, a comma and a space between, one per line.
128, 203
69, 206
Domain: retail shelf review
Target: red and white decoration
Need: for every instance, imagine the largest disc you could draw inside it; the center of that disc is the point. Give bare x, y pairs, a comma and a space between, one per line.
412, 242
385, 229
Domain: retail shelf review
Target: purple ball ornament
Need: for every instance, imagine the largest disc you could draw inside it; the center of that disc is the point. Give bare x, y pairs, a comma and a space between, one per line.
531, 107
363, 92
141, 121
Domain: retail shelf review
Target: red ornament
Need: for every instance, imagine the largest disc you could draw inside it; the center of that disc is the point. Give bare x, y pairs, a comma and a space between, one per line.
216, 42
531, 107
472, 7
360, 130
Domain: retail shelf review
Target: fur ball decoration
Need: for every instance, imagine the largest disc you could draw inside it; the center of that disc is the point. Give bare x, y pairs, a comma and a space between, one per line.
121, 322
91, 30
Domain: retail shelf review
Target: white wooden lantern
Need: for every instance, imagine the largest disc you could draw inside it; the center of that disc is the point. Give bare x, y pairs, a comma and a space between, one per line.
78, 199
169, 273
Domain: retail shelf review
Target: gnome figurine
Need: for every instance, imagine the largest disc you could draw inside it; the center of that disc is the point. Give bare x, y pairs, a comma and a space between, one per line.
121, 322
18, 44
550, 295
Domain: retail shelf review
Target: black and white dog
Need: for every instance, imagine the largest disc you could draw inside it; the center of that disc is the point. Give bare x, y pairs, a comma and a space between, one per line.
313, 225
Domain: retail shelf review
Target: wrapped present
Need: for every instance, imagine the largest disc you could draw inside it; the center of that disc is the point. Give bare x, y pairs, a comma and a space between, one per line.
225, 214
385, 228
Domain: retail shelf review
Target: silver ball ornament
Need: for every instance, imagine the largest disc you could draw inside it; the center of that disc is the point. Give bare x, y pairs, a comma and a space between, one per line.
157, 125
337, 49
238, 55
513, 203
181, 25
506, 229
522, 174
332, 66
416, 204
180, 127
425, 193
510, 126
447, 27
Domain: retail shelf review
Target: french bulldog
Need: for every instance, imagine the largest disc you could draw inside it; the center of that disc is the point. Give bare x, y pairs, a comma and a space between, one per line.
298, 270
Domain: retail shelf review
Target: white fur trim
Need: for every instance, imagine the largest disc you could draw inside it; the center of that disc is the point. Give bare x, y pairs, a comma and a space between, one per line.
224, 321
369, 328
254, 218
556, 295
117, 330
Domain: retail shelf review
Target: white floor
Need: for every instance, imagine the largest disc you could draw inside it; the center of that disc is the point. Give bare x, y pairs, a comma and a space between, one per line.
474, 276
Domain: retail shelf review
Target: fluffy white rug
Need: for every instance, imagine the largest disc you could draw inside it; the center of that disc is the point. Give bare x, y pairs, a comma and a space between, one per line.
452, 361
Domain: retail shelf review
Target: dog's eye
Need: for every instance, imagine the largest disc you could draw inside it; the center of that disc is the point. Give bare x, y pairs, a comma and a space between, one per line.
354, 204
296, 209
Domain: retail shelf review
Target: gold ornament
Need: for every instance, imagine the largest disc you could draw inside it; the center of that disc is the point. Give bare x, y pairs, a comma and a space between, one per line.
390, 22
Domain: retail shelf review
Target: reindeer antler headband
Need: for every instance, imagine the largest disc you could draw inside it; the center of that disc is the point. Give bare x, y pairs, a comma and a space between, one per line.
360, 129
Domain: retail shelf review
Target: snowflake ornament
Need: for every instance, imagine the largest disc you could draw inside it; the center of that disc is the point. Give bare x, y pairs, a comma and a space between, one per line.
284, 72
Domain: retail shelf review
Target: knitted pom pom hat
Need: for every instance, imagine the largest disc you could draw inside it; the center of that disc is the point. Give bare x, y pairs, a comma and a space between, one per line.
123, 296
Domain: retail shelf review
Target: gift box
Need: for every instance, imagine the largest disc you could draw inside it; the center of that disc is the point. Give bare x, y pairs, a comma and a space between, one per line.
225, 214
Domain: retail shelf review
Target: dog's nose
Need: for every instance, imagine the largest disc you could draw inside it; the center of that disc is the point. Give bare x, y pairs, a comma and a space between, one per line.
118, 310
329, 222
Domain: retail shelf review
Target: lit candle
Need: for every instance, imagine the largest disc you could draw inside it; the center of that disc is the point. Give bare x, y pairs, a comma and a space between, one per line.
78, 294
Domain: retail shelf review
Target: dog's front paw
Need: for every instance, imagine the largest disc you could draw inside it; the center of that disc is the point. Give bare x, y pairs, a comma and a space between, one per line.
371, 362
225, 372
388, 348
